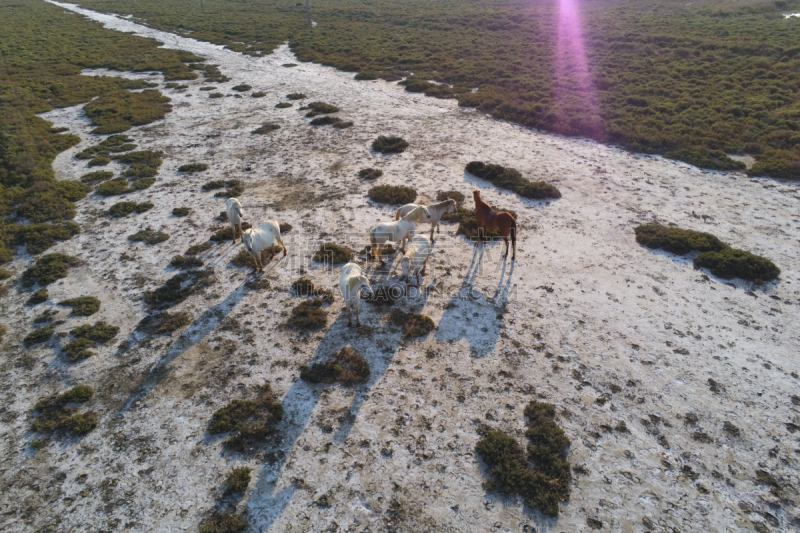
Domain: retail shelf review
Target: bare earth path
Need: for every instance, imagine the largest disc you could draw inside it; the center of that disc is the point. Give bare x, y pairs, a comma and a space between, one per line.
623, 341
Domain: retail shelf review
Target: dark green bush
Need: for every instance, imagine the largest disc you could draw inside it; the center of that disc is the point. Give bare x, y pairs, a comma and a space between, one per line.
370, 173
366, 76
99, 161
181, 211
241, 87
237, 480
226, 233
333, 254
38, 297
100, 332
77, 394
392, 194
453, 195
5, 274
283, 105
184, 261
413, 324
38, 336
259, 94
266, 128
39, 237
113, 187
389, 145
345, 366
676, 240
79, 349
143, 164
233, 188
164, 322
123, 209
778, 163
208, 88
295, 96
197, 249
149, 236
542, 477
216, 95
55, 415
97, 176
335, 121
193, 167
82, 423
508, 178
48, 268
417, 86
320, 108
83, 305
178, 288
250, 422
732, 263
119, 111
308, 315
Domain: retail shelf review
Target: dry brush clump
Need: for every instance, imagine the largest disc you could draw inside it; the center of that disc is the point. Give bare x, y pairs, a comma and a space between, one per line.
149, 236
186, 261
249, 422
542, 476
308, 315
304, 288
333, 254
389, 144
266, 128
345, 366
413, 324
511, 179
232, 188
82, 305
336, 122
38, 297
123, 209
190, 168
181, 211
178, 288
223, 522
38, 336
392, 194
48, 268
58, 414
320, 108
370, 173
164, 322
237, 480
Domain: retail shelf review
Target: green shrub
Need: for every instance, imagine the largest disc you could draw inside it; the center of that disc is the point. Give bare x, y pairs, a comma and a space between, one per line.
259, 94
676, 240
149, 236
213, 184
370, 173
177, 86
78, 349
196, 249
542, 477
250, 422
285, 228
123, 209
39, 237
72, 190
732, 263
38, 297
241, 87
441, 196
38, 444
366, 76
183, 262
778, 163
508, 178
208, 88
82, 423
295, 96
283, 105
233, 188
100, 332
113, 187
389, 145
417, 86
141, 183
181, 211
5, 274
83, 305
77, 394
266, 128
164, 322
178, 288
54, 415
48, 268
38, 336
308, 315
237, 480
345, 366
143, 164
216, 95
413, 324
119, 111
97, 176
335, 121
193, 167
392, 194
320, 108
226, 233
223, 522
333, 254
705, 158
99, 161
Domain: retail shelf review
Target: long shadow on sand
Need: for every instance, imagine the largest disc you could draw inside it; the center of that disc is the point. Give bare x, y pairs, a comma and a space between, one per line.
379, 348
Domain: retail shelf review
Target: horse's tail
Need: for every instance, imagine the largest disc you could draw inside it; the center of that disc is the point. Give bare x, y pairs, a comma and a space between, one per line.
397, 213
373, 242
513, 230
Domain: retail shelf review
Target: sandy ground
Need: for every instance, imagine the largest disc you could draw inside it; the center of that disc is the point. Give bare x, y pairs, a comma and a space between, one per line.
585, 318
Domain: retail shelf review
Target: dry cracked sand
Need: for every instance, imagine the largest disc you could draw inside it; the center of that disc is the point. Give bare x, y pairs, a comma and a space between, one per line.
645, 358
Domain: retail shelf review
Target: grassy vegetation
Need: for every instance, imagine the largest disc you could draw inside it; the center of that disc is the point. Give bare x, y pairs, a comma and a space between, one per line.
722, 260
99, 332
266, 128
333, 253
78, 350
241, 87
193, 167
304, 287
511, 179
56, 415
97, 176
453, 195
47, 269
392, 194
542, 476
39, 237
249, 422
164, 322
38, 336
123, 209
181, 211
178, 288
320, 108
223, 522
295, 96
413, 324
38, 297
695, 80
142, 164
5, 274
370, 173
345, 366
186, 261
336, 122
260, 94
119, 111
216, 95
232, 188
226, 233
237, 480
197, 249
82, 305
109, 145
308, 315
149, 236
283, 105
390, 144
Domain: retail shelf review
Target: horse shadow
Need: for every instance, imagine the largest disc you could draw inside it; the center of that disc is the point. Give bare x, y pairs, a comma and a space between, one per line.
378, 347
193, 334
473, 316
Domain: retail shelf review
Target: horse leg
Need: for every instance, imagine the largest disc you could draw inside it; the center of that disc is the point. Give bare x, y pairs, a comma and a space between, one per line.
514, 242
349, 320
431, 233
358, 318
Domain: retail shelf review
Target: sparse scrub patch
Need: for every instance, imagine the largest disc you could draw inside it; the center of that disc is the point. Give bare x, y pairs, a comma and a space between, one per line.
282, 105
97, 176
345, 366
193, 167
83, 305
370, 173
5, 274
242, 87
100, 332
250, 422
181, 211
246, 259
38, 336
295, 96
48, 268
113, 187
308, 315
266, 128
285, 228
389, 144
112, 144
208, 88
223, 522
237, 480
332, 253
99, 161
320, 108
511, 179
143, 164
123, 209
232, 188
38, 297
453, 195
197, 249
164, 322
56, 415
336, 122
119, 111
184, 262
216, 95
413, 324
392, 194
39, 237
542, 477
149, 236
178, 288
226, 233
258, 94
78, 349
304, 287
676, 240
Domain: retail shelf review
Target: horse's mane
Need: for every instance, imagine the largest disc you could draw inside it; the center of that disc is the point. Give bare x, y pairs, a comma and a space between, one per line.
442, 203
414, 213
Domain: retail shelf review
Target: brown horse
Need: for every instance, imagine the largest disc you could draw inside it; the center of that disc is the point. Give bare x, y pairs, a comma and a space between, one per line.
489, 220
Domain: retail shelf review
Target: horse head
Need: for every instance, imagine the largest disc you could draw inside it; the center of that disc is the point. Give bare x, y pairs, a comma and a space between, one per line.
247, 238
425, 211
365, 285
452, 207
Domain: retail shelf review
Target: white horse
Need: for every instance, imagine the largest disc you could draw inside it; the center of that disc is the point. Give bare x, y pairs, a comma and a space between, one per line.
235, 215
415, 260
436, 211
350, 283
262, 238
398, 231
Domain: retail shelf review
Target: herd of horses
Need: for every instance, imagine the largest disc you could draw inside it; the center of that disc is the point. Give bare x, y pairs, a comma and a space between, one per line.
352, 281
